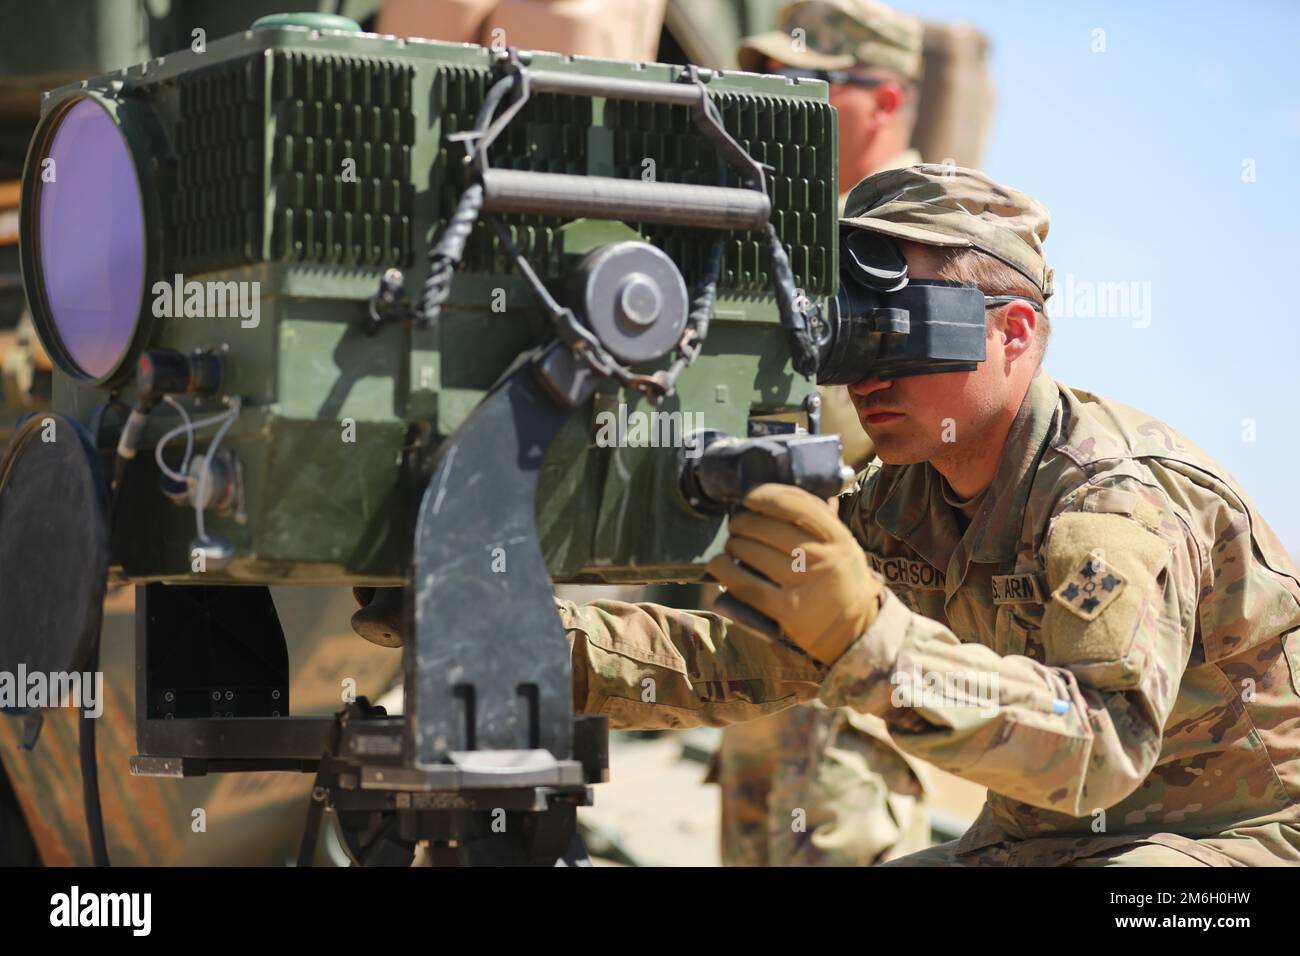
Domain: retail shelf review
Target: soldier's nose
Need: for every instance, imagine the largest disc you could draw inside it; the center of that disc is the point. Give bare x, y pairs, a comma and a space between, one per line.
867, 386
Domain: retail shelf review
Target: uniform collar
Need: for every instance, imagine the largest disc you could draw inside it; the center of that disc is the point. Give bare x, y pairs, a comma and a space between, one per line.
913, 508
994, 533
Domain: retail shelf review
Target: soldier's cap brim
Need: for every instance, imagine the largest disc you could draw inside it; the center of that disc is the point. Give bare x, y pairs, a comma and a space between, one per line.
778, 46
933, 237
906, 230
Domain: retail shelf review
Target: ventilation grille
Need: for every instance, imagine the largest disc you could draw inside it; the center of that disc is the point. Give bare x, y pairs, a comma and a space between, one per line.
637, 140
220, 147
323, 110
338, 174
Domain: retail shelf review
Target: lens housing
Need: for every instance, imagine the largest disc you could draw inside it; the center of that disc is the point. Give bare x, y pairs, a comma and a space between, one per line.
90, 237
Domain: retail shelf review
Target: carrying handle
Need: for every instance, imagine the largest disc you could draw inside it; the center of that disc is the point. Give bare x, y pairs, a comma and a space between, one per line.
603, 197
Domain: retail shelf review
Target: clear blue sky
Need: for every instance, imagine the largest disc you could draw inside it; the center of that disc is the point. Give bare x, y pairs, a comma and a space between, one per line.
1138, 151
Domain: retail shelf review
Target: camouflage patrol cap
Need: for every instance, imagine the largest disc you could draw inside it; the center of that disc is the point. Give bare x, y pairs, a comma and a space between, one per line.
837, 35
945, 205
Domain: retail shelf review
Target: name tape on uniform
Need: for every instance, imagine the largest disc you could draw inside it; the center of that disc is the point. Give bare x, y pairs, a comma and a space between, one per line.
908, 572
1017, 589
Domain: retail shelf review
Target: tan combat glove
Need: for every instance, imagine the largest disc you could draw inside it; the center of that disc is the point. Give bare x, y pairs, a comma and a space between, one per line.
818, 585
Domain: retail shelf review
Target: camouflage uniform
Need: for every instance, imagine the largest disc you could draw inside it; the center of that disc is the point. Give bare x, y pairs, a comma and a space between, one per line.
1134, 622
1174, 709
1157, 680
863, 798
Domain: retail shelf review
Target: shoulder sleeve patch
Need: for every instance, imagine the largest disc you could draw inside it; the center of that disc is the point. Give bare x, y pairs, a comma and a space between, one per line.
1101, 570
1091, 587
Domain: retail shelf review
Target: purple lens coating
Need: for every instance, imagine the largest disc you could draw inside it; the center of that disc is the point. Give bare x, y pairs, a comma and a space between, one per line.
91, 234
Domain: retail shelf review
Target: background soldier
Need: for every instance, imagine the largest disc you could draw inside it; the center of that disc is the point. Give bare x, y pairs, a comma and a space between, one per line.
811, 785
871, 56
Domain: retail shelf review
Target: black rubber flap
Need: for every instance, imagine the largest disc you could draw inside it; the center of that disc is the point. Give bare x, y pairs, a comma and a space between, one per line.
54, 547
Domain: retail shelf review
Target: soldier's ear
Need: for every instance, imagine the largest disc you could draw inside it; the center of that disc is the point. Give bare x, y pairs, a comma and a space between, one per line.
1018, 324
889, 99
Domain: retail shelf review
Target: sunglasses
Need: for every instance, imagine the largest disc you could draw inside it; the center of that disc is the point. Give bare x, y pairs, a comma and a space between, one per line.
829, 76
994, 301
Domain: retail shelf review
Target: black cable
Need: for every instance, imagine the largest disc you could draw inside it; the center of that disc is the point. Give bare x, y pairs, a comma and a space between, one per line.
446, 255
447, 252
803, 348
697, 322
86, 725
90, 779
706, 293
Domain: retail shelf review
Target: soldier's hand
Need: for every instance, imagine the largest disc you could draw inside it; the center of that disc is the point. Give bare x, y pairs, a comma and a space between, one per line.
815, 582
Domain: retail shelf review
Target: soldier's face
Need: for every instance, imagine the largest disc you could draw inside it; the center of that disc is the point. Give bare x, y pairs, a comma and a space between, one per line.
859, 118
926, 417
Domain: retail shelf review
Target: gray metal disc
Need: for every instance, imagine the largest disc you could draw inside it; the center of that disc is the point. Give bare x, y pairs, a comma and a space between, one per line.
633, 297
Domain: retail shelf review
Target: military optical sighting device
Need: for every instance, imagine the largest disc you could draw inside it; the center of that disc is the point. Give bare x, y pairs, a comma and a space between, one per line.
329, 307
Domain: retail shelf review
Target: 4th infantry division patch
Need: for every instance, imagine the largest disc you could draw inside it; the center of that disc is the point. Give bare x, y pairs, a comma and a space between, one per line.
1092, 586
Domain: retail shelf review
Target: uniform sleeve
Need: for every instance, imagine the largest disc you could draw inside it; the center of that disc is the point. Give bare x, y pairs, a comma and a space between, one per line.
1081, 730
648, 667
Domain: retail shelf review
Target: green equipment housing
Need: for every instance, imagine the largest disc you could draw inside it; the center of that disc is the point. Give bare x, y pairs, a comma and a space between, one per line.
311, 162
336, 308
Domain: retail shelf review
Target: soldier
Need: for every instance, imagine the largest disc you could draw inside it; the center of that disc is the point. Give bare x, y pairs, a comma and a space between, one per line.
855, 798
1038, 589
870, 55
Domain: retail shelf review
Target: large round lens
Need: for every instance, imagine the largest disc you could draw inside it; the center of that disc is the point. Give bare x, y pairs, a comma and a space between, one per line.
90, 229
